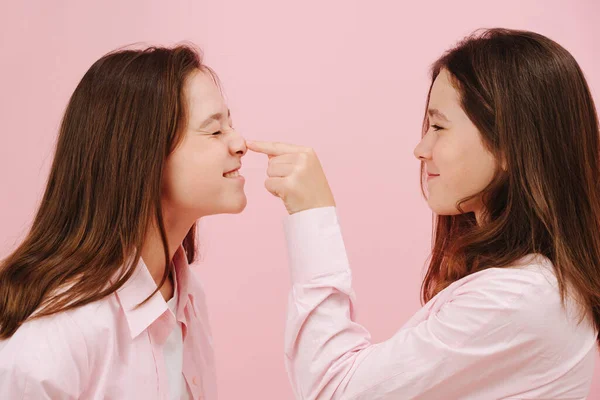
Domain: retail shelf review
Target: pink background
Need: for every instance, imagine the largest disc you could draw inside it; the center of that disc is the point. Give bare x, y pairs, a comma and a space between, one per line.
347, 77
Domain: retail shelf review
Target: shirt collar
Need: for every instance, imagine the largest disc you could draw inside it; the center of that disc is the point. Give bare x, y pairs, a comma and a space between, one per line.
141, 284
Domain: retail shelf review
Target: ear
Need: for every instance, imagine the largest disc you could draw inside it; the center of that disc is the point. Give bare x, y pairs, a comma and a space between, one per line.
503, 163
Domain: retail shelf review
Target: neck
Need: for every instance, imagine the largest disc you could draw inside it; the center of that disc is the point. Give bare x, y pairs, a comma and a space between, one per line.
153, 252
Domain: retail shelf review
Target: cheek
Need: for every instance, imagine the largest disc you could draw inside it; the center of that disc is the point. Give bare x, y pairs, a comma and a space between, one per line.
478, 168
450, 159
189, 176
465, 168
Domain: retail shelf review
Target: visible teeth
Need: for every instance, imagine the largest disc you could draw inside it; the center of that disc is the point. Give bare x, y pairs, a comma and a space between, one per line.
233, 174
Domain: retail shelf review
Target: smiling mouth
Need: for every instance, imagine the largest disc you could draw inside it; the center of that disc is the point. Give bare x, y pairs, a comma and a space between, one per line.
232, 174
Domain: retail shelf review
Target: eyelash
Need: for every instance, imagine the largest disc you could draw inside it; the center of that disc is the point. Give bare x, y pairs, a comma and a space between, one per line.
217, 133
436, 127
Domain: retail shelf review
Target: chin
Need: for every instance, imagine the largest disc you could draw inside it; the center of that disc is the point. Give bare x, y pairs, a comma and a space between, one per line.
238, 206
234, 205
450, 209
443, 209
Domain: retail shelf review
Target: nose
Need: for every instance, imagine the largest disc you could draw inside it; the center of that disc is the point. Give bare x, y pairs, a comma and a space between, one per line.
423, 150
237, 145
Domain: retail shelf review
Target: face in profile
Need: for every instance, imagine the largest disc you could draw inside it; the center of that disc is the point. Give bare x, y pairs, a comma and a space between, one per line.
201, 176
457, 164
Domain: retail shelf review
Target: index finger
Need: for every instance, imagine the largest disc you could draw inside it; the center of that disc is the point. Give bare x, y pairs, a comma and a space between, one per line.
274, 148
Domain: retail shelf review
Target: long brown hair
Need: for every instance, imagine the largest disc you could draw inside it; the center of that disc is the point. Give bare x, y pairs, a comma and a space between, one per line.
530, 101
103, 193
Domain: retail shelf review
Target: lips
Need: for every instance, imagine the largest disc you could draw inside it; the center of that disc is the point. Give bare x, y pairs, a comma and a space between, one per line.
234, 173
233, 170
431, 176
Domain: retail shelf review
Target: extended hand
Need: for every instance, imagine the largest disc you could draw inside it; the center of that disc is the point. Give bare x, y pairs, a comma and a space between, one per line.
295, 176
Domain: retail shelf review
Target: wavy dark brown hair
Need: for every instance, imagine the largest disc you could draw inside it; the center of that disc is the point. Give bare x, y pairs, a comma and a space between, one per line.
529, 99
104, 190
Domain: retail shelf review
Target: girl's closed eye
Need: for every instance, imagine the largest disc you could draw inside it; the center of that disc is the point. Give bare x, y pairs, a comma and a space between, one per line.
223, 131
209, 133
437, 127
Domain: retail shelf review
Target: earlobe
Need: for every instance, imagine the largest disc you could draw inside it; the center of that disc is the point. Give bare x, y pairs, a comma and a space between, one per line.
502, 163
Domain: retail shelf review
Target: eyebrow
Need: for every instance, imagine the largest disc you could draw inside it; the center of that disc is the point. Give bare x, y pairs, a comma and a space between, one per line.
437, 113
215, 117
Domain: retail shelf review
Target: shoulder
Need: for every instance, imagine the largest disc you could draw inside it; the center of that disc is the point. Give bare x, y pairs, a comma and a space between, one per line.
531, 280
63, 341
522, 304
47, 351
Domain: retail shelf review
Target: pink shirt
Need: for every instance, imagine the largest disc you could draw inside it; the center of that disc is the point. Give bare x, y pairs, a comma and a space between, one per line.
110, 350
496, 334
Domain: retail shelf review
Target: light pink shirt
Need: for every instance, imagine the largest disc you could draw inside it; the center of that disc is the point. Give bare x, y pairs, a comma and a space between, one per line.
110, 350
496, 334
